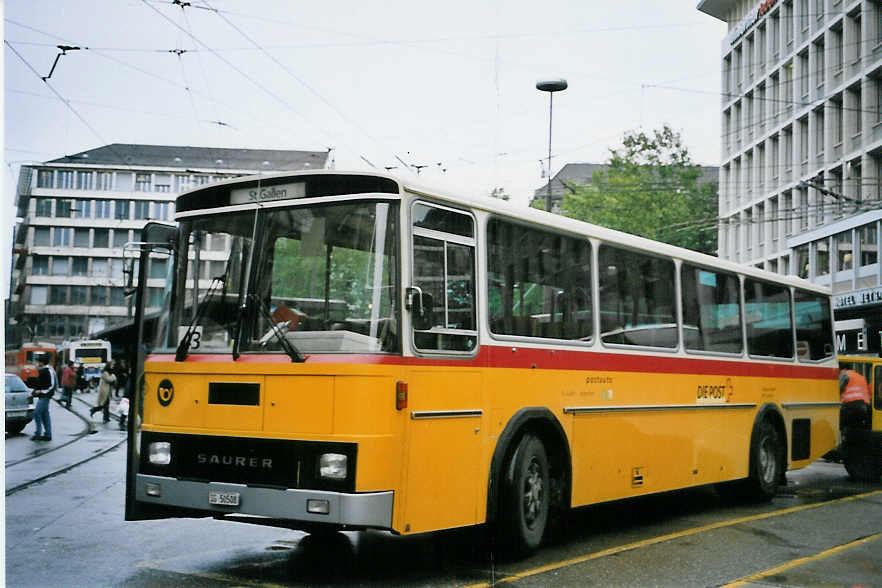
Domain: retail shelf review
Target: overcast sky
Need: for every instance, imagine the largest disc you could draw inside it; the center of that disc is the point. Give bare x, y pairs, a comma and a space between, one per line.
450, 85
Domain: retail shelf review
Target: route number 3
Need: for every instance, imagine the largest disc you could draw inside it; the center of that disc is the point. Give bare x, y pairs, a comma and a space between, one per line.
196, 341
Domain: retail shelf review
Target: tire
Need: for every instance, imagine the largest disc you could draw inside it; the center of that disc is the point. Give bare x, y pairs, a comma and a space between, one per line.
525, 500
862, 468
766, 462
15, 428
860, 460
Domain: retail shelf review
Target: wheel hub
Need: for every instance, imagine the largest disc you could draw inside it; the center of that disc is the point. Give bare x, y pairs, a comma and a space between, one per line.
533, 492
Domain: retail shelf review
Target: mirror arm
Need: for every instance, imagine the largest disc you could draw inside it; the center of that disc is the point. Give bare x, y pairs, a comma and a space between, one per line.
411, 292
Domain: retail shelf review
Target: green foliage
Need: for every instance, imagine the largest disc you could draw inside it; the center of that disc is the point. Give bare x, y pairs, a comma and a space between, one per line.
296, 275
651, 188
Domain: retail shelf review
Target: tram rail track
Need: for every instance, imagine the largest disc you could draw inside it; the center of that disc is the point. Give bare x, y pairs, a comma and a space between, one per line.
88, 429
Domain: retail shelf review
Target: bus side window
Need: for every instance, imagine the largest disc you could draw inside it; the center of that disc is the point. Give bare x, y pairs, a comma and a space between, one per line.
711, 310
637, 300
539, 283
813, 329
767, 316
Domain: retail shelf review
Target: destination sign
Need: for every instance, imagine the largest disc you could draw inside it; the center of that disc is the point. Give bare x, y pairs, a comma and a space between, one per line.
257, 194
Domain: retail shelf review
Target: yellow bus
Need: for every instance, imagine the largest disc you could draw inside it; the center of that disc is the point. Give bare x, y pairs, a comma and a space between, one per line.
862, 448
348, 351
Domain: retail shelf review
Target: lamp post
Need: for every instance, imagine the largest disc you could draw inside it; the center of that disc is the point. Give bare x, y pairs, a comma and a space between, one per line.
550, 86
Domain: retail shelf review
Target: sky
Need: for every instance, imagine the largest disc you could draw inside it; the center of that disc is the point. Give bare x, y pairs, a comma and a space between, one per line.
448, 85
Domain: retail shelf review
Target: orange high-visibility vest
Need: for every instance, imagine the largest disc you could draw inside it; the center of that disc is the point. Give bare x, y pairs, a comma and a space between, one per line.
856, 389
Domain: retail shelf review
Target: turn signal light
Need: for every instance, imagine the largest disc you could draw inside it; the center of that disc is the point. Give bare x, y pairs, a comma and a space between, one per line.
400, 395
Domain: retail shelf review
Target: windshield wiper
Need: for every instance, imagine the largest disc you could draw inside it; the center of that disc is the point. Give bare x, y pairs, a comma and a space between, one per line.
277, 331
184, 345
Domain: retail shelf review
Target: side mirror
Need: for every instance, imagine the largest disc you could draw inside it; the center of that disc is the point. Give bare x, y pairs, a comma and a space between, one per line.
421, 304
155, 233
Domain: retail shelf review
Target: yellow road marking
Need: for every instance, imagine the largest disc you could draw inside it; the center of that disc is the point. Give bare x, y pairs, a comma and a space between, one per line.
668, 537
803, 560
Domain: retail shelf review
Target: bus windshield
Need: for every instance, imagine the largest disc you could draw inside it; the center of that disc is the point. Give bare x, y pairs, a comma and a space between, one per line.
316, 279
94, 353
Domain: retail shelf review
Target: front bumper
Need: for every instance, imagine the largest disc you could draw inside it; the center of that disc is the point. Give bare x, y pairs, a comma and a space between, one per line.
19, 415
372, 509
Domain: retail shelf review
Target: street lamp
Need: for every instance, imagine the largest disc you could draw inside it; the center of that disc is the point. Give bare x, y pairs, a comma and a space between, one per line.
550, 86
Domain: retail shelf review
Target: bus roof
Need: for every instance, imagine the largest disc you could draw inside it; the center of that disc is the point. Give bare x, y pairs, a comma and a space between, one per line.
550, 221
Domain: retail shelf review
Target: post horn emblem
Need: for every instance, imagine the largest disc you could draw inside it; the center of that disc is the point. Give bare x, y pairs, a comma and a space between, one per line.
165, 392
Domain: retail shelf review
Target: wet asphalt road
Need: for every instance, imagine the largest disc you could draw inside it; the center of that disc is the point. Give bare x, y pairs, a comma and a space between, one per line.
68, 530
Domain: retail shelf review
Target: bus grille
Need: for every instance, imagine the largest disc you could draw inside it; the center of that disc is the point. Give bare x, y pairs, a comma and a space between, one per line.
274, 463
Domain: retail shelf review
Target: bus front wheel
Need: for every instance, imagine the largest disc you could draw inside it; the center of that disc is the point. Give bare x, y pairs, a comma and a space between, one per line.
525, 497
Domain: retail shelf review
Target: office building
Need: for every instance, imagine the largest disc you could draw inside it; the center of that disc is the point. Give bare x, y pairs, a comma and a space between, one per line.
77, 213
802, 148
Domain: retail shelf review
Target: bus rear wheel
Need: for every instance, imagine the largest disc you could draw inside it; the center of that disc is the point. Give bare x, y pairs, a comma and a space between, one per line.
525, 498
863, 468
766, 462
862, 455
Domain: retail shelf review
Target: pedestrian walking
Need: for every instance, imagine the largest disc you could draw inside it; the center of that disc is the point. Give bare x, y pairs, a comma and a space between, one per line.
44, 385
68, 383
105, 389
81, 378
122, 373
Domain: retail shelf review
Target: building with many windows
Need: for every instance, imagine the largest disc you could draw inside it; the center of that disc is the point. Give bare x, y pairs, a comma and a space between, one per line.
802, 148
78, 212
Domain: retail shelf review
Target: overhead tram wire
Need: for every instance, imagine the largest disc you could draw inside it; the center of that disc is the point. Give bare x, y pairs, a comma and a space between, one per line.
296, 77
205, 79
99, 52
179, 53
66, 102
99, 105
483, 37
789, 214
416, 43
230, 64
257, 84
275, 125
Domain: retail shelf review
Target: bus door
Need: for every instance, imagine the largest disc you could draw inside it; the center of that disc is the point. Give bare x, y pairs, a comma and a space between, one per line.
445, 389
159, 239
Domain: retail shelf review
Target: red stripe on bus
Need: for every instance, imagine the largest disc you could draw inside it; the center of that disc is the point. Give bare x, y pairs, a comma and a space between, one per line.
552, 359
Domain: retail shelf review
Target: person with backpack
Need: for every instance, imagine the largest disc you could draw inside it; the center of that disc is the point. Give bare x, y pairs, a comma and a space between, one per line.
44, 385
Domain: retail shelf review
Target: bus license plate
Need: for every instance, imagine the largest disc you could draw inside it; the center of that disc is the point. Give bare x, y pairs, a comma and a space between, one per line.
223, 498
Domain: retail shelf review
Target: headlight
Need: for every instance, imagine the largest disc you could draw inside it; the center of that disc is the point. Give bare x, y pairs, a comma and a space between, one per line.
160, 453
332, 466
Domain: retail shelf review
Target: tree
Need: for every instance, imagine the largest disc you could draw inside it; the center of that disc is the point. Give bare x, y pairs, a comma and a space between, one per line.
651, 188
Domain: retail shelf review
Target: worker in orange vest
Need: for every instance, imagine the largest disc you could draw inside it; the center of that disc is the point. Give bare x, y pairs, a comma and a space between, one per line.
854, 400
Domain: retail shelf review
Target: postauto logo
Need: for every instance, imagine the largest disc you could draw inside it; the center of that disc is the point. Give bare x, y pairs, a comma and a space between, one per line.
165, 392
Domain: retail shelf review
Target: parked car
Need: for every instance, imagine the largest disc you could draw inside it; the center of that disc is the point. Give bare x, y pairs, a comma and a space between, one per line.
19, 404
